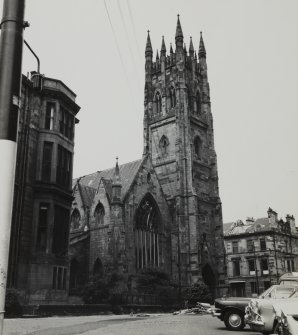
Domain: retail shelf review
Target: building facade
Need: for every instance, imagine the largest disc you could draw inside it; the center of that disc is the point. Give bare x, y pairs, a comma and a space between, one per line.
164, 210
258, 252
38, 260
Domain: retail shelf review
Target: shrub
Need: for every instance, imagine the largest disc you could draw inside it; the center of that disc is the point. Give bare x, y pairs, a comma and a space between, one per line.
198, 292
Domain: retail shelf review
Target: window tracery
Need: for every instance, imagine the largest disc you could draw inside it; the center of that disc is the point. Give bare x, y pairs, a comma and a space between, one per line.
75, 219
147, 233
163, 145
99, 214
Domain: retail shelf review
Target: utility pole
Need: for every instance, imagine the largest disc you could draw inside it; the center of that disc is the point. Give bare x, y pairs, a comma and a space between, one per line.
11, 50
256, 269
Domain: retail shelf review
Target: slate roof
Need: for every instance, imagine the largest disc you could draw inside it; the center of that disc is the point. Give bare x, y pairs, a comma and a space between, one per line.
237, 228
87, 194
128, 172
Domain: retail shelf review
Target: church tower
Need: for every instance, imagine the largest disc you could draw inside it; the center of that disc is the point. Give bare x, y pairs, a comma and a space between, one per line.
178, 137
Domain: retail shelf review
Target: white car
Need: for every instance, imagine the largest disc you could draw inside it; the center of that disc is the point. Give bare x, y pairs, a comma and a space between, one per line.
260, 314
286, 315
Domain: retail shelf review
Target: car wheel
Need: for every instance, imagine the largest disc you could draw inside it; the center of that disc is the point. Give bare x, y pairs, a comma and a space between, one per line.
234, 320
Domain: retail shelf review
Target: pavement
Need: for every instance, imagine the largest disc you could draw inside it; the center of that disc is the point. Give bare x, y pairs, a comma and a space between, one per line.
145, 324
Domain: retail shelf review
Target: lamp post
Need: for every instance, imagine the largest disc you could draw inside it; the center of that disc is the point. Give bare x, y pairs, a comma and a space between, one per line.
11, 50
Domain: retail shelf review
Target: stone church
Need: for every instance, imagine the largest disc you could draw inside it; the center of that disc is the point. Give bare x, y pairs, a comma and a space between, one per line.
162, 211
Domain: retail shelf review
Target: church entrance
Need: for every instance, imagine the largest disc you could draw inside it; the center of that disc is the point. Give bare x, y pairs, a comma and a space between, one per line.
209, 278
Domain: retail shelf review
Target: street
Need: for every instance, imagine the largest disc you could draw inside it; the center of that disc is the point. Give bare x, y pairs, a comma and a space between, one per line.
159, 324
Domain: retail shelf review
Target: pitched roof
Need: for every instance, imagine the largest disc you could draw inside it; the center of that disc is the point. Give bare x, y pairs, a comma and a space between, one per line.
128, 172
237, 228
87, 194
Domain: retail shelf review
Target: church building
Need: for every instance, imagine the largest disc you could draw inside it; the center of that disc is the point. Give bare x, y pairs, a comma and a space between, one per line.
162, 211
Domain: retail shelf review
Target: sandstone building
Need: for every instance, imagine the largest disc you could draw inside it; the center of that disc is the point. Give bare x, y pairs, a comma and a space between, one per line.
162, 211
38, 260
258, 252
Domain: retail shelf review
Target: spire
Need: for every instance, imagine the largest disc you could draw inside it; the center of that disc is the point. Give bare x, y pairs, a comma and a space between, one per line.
148, 50
191, 49
184, 49
171, 49
179, 33
163, 47
202, 50
157, 56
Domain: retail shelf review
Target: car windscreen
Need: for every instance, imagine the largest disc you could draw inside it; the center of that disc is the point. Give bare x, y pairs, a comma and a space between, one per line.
282, 292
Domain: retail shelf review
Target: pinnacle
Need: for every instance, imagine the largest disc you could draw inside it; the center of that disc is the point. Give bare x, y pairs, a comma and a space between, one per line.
202, 50
191, 48
163, 47
179, 33
148, 45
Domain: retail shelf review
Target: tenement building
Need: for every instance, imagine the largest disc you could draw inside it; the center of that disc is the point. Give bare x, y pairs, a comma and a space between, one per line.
259, 251
38, 260
162, 211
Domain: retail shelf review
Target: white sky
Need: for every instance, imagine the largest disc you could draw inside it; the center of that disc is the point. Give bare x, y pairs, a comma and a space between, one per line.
252, 57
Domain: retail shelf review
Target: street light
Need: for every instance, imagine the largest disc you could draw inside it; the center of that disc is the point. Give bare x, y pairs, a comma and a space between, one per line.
11, 51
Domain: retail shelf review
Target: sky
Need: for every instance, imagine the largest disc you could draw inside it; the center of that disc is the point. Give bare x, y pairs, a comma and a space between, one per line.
96, 47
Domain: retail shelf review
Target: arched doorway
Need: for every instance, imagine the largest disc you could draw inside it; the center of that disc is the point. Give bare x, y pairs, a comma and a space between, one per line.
209, 278
147, 233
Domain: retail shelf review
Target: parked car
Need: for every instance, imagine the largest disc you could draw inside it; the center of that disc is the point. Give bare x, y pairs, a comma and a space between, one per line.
232, 310
260, 313
286, 314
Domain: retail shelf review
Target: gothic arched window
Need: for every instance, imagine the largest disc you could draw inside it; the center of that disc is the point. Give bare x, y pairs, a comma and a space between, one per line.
147, 233
157, 102
75, 219
172, 96
198, 147
99, 214
198, 103
163, 144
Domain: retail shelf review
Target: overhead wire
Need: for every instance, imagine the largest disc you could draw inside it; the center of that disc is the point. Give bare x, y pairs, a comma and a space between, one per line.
134, 29
128, 43
120, 56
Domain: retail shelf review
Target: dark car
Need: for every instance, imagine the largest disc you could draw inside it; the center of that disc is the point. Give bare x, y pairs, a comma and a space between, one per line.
232, 310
